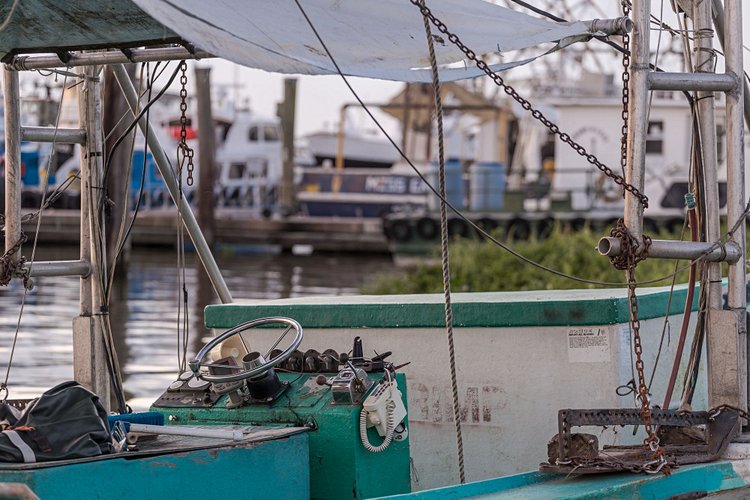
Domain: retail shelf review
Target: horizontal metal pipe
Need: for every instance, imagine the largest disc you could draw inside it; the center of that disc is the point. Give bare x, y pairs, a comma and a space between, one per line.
680, 250
716, 82
46, 61
49, 134
78, 268
617, 26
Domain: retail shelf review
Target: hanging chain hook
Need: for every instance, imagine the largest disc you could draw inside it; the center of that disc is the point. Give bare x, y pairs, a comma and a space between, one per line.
184, 152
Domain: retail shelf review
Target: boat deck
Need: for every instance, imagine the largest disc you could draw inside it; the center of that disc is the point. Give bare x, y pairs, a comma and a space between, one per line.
153, 445
274, 459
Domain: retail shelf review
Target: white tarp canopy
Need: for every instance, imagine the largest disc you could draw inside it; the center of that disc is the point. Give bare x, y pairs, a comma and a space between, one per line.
382, 39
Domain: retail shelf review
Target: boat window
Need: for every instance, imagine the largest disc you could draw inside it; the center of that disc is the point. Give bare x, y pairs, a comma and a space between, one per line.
655, 137
270, 133
236, 170
252, 134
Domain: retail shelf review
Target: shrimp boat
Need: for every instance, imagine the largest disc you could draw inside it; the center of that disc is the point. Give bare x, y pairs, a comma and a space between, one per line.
259, 417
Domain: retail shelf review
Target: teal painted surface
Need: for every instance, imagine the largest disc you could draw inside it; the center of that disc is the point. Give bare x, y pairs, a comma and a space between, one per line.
271, 469
339, 466
500, 309
76, 24
703, 478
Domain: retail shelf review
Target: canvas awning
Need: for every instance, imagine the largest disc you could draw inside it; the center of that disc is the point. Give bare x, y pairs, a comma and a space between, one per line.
379, 39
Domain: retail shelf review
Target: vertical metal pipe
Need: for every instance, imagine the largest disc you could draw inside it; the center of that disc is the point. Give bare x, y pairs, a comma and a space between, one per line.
637, 114
162, 163
12, 99
89, 337
86, 293
736, 180
719, 16
704, 63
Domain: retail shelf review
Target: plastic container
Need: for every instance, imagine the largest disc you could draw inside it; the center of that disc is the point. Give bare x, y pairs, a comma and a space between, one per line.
454, 184
487, 186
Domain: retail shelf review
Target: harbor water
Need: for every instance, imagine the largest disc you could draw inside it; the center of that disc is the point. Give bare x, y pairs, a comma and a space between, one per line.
144, 311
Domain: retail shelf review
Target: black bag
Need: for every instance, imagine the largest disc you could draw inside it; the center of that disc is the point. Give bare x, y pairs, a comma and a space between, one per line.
67, 421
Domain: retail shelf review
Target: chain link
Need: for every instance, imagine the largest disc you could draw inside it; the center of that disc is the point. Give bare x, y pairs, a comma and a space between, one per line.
8, 268
184, 152
625, 92
627, 260
526, 105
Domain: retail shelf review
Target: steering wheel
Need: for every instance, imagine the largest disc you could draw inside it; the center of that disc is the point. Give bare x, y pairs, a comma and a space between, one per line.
256, 369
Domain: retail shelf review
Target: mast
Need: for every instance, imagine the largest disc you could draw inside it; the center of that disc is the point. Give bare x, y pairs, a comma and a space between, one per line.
726, 329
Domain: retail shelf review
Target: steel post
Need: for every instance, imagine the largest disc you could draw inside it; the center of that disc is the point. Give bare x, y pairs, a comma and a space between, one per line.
74, 59
12, 99
719, 16
681, 250
162, 163
58, 268
89, 351
49, 134
716, 82
735, 137
704, 63
637, 115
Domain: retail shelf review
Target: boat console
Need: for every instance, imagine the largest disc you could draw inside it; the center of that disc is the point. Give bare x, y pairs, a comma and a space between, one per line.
353, 407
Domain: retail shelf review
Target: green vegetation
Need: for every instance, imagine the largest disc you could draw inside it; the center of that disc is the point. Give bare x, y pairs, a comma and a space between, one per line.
482, 266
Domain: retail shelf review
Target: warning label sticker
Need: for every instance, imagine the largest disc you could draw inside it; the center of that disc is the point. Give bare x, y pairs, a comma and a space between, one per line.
588, 344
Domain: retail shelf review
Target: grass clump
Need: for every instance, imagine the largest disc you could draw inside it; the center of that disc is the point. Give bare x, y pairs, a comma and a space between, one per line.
483, 266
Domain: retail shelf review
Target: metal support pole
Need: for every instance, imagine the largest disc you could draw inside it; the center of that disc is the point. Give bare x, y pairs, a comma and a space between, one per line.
12, 99
680, 250
58, 268
709, 82
735, 107
32, 62
719, 16
638, 115
49, 134
89, 352
162, 163
704, 63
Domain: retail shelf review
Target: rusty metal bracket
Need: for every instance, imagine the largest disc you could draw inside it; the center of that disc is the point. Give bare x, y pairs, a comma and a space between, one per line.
718, 428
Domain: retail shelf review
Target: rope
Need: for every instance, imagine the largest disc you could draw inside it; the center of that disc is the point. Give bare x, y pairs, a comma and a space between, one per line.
444, 251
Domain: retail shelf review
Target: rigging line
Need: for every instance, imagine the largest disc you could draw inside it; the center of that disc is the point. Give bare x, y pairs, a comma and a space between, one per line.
123, 220
4, 385
666, 327
149, 82
99, 256
444, 261
134, 123
460, 213
141, 188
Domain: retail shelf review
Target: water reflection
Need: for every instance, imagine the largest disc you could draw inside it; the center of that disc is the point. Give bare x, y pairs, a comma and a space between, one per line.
144, 312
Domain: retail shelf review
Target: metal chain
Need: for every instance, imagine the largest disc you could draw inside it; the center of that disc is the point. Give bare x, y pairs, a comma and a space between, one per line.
627, 261
526, 105
182, 147
625, 91
8, 267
